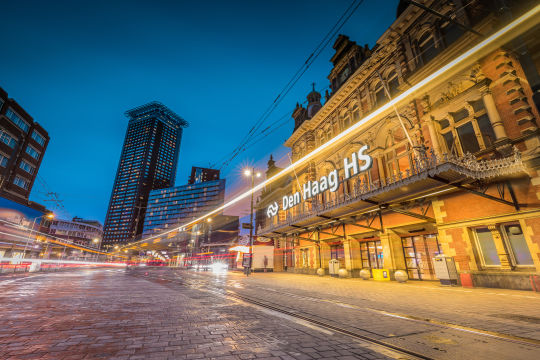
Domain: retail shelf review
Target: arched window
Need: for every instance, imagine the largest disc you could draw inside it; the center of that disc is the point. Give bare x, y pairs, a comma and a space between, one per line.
355, 114
426, 47
346, 120
393, 83
380, 96
398, 155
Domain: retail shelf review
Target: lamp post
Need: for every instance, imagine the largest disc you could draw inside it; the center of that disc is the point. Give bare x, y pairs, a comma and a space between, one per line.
97, 242
48, 216
250, 172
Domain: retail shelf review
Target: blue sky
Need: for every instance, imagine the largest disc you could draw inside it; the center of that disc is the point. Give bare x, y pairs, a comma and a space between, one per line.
76, 66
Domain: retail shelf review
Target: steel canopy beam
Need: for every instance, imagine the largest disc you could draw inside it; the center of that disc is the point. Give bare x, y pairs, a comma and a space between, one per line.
459, 186
411, 214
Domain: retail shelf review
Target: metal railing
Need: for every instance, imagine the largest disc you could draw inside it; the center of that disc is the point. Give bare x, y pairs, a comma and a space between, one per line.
425, 166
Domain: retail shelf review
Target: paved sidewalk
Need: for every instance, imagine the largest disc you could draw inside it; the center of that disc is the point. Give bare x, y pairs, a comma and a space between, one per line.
511, 312
106, 314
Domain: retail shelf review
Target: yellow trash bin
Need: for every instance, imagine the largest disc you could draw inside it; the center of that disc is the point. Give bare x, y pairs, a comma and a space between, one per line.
381, 274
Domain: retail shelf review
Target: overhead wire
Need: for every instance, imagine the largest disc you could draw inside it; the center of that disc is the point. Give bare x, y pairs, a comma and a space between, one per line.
292, 82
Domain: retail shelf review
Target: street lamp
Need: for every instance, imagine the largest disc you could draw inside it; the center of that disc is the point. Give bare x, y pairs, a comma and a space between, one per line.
97, 242
49, 216
250, 172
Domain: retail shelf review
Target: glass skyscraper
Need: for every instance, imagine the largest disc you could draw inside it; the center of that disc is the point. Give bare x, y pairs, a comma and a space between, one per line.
172, 207
147, 162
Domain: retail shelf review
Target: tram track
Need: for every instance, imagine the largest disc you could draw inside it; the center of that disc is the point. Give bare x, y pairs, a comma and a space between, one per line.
397, 352
373, 340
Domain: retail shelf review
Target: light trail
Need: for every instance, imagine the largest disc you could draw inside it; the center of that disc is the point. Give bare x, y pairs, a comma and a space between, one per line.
71, 262
484, 47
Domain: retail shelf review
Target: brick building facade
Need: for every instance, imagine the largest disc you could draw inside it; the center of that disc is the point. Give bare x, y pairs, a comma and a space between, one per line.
22, 145
453, 168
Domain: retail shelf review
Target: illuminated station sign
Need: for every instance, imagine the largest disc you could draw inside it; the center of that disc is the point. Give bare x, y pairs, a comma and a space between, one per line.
359, 162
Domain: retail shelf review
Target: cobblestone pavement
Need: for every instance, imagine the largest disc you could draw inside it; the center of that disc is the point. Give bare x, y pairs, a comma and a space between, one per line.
418, 316
510, 312
106, 314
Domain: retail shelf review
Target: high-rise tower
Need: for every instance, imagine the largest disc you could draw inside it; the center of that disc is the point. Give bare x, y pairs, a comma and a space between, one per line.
148, 162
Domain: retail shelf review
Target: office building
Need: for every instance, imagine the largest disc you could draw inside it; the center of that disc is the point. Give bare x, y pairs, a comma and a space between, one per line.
172, 207
22, 145
147, 162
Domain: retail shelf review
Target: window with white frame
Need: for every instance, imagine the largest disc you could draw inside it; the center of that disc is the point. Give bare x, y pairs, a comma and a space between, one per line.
514, 243
17, 120
468, 130
32, 152
520, 255
3, 160
486, 247
27, 167
7, 138
39, 139
21, 182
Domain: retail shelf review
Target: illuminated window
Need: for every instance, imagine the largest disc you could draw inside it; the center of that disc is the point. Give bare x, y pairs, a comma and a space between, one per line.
464, 132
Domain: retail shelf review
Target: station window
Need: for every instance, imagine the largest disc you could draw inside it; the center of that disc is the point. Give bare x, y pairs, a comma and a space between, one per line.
514, 243
517, 245
486, 247
467, 132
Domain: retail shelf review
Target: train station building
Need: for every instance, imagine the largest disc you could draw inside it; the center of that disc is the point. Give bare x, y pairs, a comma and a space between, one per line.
453, 169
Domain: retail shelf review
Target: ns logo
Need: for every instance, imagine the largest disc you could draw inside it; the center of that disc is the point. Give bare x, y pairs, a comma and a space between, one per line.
272, 209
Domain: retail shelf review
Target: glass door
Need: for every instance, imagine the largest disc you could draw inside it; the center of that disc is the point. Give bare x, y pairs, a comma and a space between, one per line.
371, 254
337, 252
419, 252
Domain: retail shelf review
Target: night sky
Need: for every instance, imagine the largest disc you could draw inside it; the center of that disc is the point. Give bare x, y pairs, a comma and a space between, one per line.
76, 66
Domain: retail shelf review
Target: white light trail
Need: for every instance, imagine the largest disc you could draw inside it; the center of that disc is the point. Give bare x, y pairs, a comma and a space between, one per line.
52, 261
504, 35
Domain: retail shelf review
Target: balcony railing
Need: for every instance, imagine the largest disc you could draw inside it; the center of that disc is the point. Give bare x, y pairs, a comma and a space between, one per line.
423, 167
